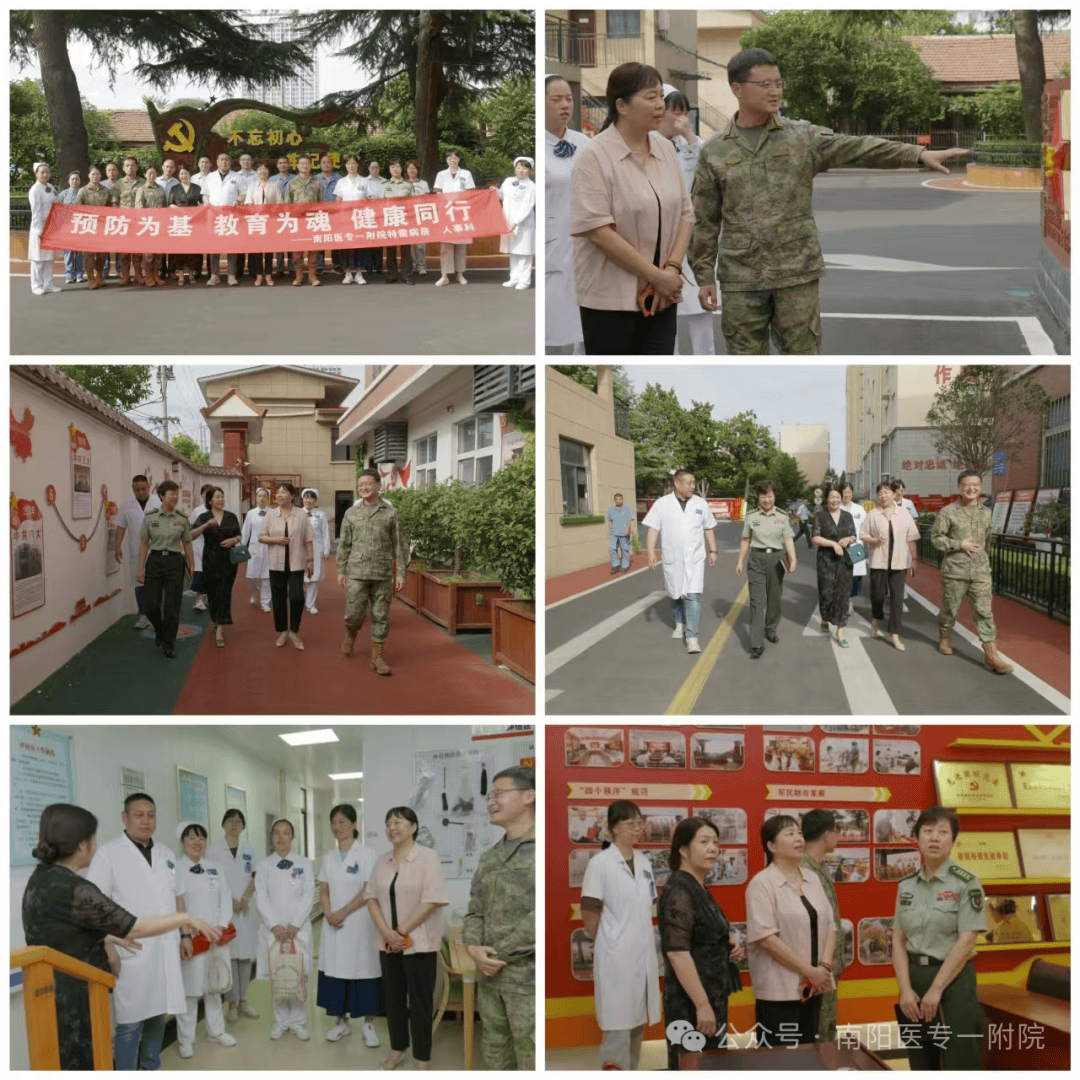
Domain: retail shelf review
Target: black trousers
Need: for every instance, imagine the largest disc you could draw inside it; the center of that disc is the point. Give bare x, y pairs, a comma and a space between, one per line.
891, 582
629, 333
219, 576
406, 260
804, 527
784, 1023
162, 591
409, 993
287, 598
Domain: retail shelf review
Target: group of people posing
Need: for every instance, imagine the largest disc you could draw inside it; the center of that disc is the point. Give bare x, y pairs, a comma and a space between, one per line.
851, 543
794, 939
382, 928
260, 185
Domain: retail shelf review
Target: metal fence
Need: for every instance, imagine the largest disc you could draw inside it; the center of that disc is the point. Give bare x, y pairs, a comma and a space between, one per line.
19, 205
1037, 571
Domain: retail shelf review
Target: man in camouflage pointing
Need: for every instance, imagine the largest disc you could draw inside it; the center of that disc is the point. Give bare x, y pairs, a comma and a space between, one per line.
752, 192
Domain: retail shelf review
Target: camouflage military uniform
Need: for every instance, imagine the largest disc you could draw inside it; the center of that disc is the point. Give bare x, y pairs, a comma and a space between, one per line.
769, 257
964, 574
152, 195
502, 915
300, 190
372, 539
827, 1013
123, 194
93, 261
398, 189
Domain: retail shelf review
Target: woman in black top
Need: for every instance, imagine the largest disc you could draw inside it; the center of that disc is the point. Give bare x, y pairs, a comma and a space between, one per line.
185, 194
64, 911
696, 939
222, 530
834, 530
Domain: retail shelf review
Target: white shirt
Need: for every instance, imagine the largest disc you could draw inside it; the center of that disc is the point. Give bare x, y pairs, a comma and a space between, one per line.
562, 316
285, 897
221, 190
682, 540
463, 181
350, 189
858, 515
352, 950
42, 196
206, 896
238, 873
373, 187
245, 181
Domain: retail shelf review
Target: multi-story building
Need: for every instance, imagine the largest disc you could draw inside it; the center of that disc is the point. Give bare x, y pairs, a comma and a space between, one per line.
1042, 461
808, 444
718, 34
295, 92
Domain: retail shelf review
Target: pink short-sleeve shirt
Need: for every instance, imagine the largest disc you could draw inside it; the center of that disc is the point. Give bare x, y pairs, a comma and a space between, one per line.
419, 881
904, 529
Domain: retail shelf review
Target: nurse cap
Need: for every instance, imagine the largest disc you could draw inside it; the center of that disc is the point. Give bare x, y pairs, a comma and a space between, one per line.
184, 824
310, 491
526, 159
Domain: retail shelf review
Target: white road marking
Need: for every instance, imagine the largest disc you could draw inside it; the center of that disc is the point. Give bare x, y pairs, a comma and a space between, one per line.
1044, 689
603, 585
552, 694
577, 645
863, 688
898, 266
1035, 337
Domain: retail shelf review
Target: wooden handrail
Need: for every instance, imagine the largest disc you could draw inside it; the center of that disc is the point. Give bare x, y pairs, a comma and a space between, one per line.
36, 954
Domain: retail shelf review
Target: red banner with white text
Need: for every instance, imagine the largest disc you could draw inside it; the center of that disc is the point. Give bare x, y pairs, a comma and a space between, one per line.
455, 218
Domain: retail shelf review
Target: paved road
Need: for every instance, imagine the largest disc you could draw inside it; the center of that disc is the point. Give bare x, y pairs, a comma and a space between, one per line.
481, 318
980, 301
610, 652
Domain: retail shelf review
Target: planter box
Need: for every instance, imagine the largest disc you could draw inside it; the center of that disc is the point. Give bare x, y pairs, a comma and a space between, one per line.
457, 605
513, 636
1009, 177
411, 589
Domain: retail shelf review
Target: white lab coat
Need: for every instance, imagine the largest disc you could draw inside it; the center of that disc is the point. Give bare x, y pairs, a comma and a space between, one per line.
682, 539
150, 982
42, 196
562, 316
624, 957
687, 156
130, 517
285, 898
207, 897
249, 536
858, 515
462, 181
321, 547
352, 951
238, 873
519, 205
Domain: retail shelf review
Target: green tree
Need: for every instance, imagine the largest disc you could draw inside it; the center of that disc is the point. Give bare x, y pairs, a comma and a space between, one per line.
511, 111
655, 420
987, 408
742, 443
31, 137
222, 48
123, 386
998, 111
783, 470
187, 446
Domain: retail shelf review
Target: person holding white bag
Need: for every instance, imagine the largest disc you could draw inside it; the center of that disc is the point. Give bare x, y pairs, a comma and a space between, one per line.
206, 974
350, 977
285, 887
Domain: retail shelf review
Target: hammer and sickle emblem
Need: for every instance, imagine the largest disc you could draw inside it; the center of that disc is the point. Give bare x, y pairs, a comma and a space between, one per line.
184, 141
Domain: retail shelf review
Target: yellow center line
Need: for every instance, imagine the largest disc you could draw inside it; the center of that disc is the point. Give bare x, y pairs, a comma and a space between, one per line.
684, 701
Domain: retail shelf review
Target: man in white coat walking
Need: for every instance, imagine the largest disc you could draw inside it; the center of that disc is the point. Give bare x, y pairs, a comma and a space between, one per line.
140, 876
686, 524
129, 521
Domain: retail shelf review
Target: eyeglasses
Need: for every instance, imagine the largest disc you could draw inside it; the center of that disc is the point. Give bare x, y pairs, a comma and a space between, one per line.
767, 83
496, 794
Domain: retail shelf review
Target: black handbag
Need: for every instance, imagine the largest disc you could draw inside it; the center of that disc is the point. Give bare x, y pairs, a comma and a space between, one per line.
239, 553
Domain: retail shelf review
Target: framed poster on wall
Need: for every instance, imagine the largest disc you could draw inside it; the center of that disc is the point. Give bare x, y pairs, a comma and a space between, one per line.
972, 785
991, 856
1057, 912
1044, 852
194, 797
1040, 785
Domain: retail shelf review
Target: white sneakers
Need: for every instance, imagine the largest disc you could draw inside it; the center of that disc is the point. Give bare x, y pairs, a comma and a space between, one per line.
509, 284
444, 280
522, 285
313, 611
224, 1039
679, 632
338, 1031
692, 645
277, 1031
359, 279
347, 278
199, 605
142, 622
371, 1036
301, 1032
185, 1050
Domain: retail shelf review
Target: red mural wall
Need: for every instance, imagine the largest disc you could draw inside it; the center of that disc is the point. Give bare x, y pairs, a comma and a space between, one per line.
683, 770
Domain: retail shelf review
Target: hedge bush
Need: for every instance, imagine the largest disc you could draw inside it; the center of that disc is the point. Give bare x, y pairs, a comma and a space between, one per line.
1016, 154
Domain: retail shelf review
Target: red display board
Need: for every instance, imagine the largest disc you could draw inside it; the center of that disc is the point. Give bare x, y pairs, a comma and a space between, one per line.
878, 778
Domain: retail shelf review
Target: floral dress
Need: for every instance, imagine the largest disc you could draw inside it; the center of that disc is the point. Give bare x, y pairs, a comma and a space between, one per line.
833, 571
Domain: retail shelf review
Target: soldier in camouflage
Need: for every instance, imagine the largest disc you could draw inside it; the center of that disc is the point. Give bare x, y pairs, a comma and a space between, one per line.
964, 530
752, 191
94, 194
372, 540
123, 194
500, 927
303, 189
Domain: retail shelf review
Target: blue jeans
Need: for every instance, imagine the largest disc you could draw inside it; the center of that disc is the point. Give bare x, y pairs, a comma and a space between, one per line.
138, 1045
619, 545
72, 263
688, 609
139, 599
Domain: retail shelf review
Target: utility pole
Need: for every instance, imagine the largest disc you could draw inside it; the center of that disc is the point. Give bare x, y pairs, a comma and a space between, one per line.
165, 375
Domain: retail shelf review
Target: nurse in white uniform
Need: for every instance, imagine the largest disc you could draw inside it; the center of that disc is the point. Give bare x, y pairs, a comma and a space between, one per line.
562, 316
129, 527
42, 196
350, 978
285, 887
617, 898
862, 568
320, 549
676, 127
452, 256
237, 857
141, 877
206, 895
258, 568
518, 196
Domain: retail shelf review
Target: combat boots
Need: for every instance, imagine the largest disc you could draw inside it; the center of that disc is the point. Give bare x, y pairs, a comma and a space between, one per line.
993, 660
349, 641
378, 664
944, 642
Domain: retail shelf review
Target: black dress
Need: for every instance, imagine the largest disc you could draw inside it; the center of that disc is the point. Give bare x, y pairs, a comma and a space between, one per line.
191, 197
691, 920
219, 573
833, 571
65, 912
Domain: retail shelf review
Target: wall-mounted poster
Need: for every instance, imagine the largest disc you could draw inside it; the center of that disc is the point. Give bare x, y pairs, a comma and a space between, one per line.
82, 498
594, 748
1044, 852
908, 730
660, 822
897, 757
852, 824
846, 729
875, 941
1023, 500
657, 749
40, 776
990, 855
236, 799
845, 755
1011, 920
581, 954
1057, 913
730, 868
847, 931
131, 781
111, 565
194, 797
1000, 514
848, 865
579, 859
27, 558
891, 864
730, 822
895, 826
738, 934
1040, 785
710, 750
972, 784
658, 861
588, 824
788, 753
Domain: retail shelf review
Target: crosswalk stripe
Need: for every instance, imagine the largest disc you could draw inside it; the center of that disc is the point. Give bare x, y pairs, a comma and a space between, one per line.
577, 645
863, 688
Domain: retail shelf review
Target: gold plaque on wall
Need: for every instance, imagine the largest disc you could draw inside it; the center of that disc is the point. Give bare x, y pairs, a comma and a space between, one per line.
991, 856
1057, 907
1040, 786
972, 784
1045, 852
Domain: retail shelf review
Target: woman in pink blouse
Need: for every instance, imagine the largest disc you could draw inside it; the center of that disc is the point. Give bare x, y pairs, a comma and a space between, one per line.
886, 531
264, 193
405, 894
288, 536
